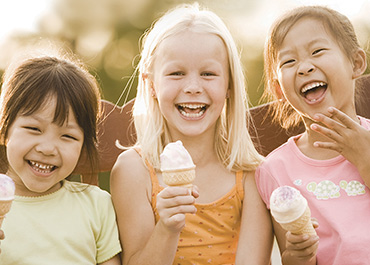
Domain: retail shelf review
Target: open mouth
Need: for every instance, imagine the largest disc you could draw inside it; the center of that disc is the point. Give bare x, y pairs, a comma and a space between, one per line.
192, 110
314, 91
42, 168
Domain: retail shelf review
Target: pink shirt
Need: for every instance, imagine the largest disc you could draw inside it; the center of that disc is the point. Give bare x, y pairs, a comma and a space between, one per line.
336, 195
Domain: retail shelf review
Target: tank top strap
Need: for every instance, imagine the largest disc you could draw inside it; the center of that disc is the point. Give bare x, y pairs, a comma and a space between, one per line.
153, 178
239, 184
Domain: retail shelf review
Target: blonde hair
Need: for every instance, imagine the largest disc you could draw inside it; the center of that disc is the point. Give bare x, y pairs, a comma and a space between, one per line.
233, 143
336, 23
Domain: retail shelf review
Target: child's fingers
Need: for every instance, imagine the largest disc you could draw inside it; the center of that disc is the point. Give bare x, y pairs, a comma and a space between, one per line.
170, 192
331, 133
342, 118
302, 246
314, 222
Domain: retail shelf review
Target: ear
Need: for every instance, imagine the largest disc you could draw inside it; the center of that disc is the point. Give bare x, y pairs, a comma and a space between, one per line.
152, 89
146, 78
359, 63
277, 90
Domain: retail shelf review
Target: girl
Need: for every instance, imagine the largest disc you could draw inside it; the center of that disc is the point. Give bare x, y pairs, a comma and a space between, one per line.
48, 112
312, 59
191, 88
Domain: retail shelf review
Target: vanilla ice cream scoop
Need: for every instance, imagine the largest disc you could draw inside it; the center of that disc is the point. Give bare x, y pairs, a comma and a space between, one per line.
175, 156
177, 166
7, 188
291, 211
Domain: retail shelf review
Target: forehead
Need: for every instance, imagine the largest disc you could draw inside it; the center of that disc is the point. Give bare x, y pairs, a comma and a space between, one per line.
307, 30
51, 109
192, 45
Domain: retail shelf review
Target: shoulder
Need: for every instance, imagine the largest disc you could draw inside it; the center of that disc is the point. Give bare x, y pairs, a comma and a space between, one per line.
129, 163
129, 172
85, 190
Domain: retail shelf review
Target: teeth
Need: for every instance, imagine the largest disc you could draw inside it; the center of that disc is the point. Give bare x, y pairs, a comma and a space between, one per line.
43, 168
311, 86
192, 115
192, 106
200, 107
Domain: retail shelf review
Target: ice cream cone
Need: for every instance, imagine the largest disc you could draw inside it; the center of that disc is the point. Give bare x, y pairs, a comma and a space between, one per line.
4, 209
179, 177
302, 225
290, 209
177, 166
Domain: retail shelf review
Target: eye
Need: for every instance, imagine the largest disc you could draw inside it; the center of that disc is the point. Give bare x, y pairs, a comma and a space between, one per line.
208, 74
318, 51
69, 136
31, 128
177, 73
287, 62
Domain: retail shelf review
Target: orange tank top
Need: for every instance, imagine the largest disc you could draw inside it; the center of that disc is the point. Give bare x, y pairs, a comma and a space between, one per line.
211, 235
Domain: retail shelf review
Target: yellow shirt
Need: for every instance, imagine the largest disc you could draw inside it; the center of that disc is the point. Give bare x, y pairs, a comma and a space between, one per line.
74, 225
211, 235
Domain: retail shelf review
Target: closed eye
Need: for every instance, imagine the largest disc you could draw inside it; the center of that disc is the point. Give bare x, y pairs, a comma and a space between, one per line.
68, 136
287, 62
318, 51
32, 128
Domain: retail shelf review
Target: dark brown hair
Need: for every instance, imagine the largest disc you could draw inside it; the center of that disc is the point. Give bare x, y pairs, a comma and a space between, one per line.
26, 87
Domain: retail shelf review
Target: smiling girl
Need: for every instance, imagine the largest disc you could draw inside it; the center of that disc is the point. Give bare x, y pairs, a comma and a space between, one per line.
191, 88
312, 59
48, 115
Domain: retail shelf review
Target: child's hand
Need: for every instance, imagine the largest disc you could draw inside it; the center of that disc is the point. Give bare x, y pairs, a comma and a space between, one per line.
347, 137
172, 205
303, 247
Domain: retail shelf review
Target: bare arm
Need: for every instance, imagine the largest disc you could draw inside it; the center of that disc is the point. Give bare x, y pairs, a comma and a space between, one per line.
113, 261
256, 234
143, 241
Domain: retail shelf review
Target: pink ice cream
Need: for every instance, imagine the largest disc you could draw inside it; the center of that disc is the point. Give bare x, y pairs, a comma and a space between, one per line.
175, 156
7, 188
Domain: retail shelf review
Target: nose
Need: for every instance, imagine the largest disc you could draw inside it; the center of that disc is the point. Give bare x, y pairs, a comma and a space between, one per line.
46, 147
193, 85
306, 68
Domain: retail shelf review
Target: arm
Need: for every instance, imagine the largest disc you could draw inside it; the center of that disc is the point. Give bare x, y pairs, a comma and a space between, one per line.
296, 249
348, 138
143, 241
256, 234
113, 261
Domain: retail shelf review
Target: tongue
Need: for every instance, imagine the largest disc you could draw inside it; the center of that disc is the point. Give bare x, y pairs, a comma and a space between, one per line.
315, 94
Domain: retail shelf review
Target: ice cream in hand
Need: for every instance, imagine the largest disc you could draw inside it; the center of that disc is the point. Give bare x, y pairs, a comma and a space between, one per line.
7, 189
291, 211
177, 166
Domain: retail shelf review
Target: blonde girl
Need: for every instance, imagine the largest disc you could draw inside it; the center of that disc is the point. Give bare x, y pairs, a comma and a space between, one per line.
191, 88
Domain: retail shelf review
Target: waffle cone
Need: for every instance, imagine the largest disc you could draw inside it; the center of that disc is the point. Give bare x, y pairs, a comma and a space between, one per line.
179, 177
4, 209
302, 225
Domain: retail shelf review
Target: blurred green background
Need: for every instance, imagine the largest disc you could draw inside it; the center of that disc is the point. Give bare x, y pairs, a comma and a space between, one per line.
105, 34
